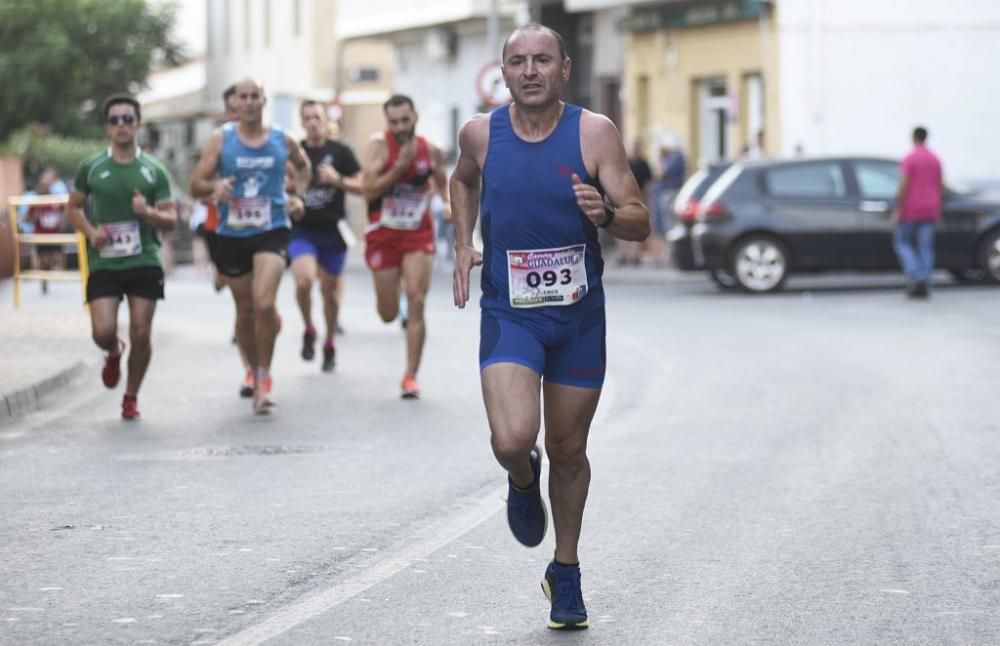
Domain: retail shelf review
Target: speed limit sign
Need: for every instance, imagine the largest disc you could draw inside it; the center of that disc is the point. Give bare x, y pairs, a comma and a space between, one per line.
490, 85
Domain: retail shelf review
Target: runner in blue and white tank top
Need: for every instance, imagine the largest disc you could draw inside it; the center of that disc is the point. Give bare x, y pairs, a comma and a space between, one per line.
258, 201
243, 167
545, 176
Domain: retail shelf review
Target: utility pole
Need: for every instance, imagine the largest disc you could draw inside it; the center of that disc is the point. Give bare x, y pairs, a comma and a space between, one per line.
493, 32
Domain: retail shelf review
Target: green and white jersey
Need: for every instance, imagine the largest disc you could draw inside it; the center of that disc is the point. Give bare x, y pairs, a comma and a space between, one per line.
109, 185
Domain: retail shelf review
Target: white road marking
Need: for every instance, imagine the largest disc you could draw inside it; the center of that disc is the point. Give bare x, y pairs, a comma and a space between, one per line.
893, 591
393, 562
124, 620
50, 589
390, 564
170, 596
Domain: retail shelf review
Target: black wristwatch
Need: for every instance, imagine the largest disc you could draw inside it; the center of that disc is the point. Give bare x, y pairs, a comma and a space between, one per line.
609, 216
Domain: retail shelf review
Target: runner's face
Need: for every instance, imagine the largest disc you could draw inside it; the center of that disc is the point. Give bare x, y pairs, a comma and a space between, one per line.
120, 132
533, 69
314, 121
249, 101
402, 122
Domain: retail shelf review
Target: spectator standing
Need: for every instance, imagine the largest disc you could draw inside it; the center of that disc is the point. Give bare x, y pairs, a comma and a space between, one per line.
46, 218
631, 251
917, 212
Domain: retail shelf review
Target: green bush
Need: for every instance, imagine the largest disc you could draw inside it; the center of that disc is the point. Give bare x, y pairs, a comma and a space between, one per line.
41, 150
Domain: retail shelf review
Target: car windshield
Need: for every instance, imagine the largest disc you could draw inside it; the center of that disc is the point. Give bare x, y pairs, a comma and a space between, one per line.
720, 185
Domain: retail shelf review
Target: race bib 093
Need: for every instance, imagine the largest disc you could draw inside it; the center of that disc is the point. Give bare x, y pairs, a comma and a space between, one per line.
542, 277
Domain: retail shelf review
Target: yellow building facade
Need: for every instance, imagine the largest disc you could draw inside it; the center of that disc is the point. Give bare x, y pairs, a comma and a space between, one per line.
703, 77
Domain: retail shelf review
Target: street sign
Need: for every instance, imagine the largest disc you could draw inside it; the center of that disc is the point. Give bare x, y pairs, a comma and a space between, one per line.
490, 86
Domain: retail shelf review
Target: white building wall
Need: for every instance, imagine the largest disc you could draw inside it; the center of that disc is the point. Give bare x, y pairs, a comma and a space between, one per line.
283, 63
857, 75
439, 86
357, 18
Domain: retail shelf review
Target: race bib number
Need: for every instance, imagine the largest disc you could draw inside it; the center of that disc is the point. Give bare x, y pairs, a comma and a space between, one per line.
123, 240
542, 277
250, 213
403, 210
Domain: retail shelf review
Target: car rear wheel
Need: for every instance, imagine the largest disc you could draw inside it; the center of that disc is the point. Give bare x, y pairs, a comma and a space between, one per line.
759, 263
989, 256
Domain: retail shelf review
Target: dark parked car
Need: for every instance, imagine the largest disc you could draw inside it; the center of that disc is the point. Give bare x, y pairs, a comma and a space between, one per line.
686, 210
761, 221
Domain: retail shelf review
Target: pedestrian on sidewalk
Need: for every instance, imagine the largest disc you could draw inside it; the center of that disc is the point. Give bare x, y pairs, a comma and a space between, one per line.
631, 251
535, 163
917, 212
130, 203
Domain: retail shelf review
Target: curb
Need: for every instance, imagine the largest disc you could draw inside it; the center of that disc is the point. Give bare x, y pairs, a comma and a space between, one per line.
28, 399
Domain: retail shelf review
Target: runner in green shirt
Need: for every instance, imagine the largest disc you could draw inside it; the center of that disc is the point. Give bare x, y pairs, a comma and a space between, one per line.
124, 247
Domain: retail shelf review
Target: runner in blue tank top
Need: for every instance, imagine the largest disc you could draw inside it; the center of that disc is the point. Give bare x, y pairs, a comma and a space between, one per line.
242, 167
545, 176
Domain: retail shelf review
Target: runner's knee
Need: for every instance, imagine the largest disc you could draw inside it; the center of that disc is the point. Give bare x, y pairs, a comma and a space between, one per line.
104, 335
388, 311
566, 451
510, 446
139, 336
303, 283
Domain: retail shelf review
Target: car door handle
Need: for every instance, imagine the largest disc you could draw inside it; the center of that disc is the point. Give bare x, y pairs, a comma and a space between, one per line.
874, 206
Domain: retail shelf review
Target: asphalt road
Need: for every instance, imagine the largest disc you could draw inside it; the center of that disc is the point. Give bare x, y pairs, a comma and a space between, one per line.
813, 467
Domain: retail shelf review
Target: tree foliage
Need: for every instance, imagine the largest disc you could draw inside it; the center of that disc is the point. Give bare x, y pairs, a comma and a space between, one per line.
60, 58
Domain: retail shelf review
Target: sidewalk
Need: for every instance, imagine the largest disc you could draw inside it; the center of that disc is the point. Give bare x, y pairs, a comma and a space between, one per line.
43, 346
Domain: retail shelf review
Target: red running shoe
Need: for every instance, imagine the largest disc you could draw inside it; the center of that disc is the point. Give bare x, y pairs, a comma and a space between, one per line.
111, 374
262, 403
130, 407
246, 388
410, 388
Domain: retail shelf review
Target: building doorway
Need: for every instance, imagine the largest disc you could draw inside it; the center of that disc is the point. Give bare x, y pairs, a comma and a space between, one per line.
713, 118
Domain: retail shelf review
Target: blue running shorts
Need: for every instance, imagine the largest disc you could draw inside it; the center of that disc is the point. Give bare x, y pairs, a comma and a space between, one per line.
571, 353
330, 258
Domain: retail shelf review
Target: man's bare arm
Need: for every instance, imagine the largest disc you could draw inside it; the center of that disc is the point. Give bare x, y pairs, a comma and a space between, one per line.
203, 177
162, 217
440, 173
465, 186
301, 167
374, 183
601, 143
77, 218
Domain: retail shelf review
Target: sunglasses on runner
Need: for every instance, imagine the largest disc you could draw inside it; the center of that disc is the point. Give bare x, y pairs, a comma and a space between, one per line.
114, 120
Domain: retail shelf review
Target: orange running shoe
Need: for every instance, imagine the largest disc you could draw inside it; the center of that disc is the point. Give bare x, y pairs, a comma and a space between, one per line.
246, 388
262, 403
112, 371
410, 388
130, 407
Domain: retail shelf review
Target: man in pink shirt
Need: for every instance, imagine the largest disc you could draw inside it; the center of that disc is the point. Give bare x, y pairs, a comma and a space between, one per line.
918, 209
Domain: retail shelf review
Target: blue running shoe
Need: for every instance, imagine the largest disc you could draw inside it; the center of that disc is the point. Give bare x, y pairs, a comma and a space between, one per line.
526, 513
562, 587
